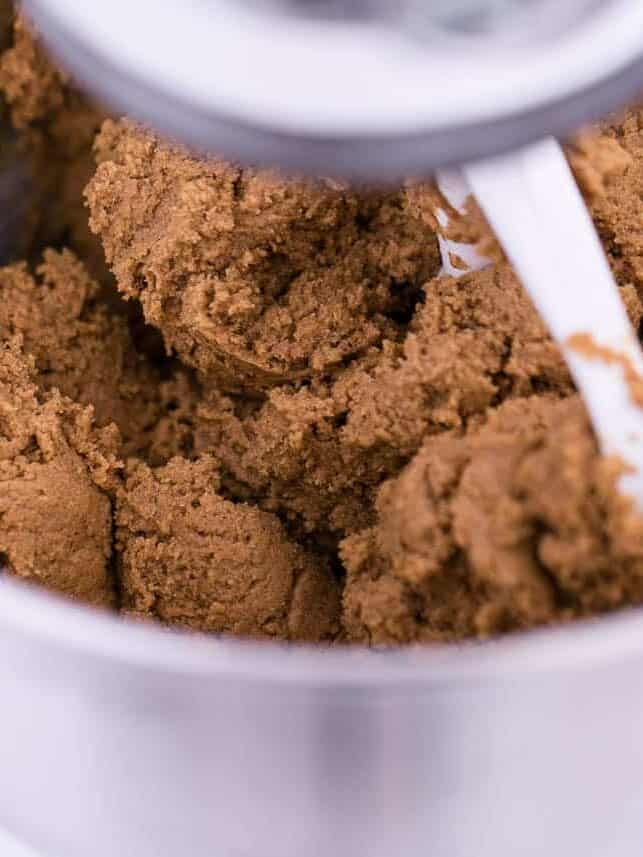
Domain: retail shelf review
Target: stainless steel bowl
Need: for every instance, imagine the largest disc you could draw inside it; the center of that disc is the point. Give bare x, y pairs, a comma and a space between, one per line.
138, 742
120, 740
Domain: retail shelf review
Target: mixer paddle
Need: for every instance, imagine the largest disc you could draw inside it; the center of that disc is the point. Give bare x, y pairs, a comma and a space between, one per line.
531, 200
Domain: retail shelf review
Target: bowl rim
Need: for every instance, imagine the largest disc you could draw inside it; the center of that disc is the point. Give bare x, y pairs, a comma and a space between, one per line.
40, 617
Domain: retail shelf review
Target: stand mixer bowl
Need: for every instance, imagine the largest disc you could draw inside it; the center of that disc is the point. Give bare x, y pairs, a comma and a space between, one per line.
128, 740
135, 741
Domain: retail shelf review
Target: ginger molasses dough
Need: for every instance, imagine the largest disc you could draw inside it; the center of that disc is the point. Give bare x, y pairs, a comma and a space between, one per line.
316, 437
54, 129
222, 258
190, 557
608, 163
55, 471
85, 351
317, 453
251, 279
516, 524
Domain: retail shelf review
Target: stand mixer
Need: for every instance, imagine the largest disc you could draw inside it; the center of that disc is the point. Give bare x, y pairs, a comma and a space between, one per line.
373, 89
147, 744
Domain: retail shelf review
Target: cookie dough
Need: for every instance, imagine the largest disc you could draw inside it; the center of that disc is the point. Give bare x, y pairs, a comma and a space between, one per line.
608, 164
285, 424
516, 524
318, 452
190, 557
55, 470
254, 280
54, 126
85, 351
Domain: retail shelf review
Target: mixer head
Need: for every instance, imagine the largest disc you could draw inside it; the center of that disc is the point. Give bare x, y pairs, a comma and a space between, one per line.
370, 89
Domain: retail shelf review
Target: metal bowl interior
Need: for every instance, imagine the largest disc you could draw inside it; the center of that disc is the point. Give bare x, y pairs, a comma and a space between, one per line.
136, 741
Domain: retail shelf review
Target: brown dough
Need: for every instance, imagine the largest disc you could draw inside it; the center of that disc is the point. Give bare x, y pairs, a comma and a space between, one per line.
55, 127
190, 557
317, 453
308, 380
608, 163
86, 352
55, 520
515, 525
254, 280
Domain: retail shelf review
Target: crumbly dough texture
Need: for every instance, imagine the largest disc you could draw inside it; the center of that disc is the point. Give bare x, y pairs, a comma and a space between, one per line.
513, 525
51, 148
55, 471
287, 424
609, 169
190, 557
86, 351
317, 453
254, 280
